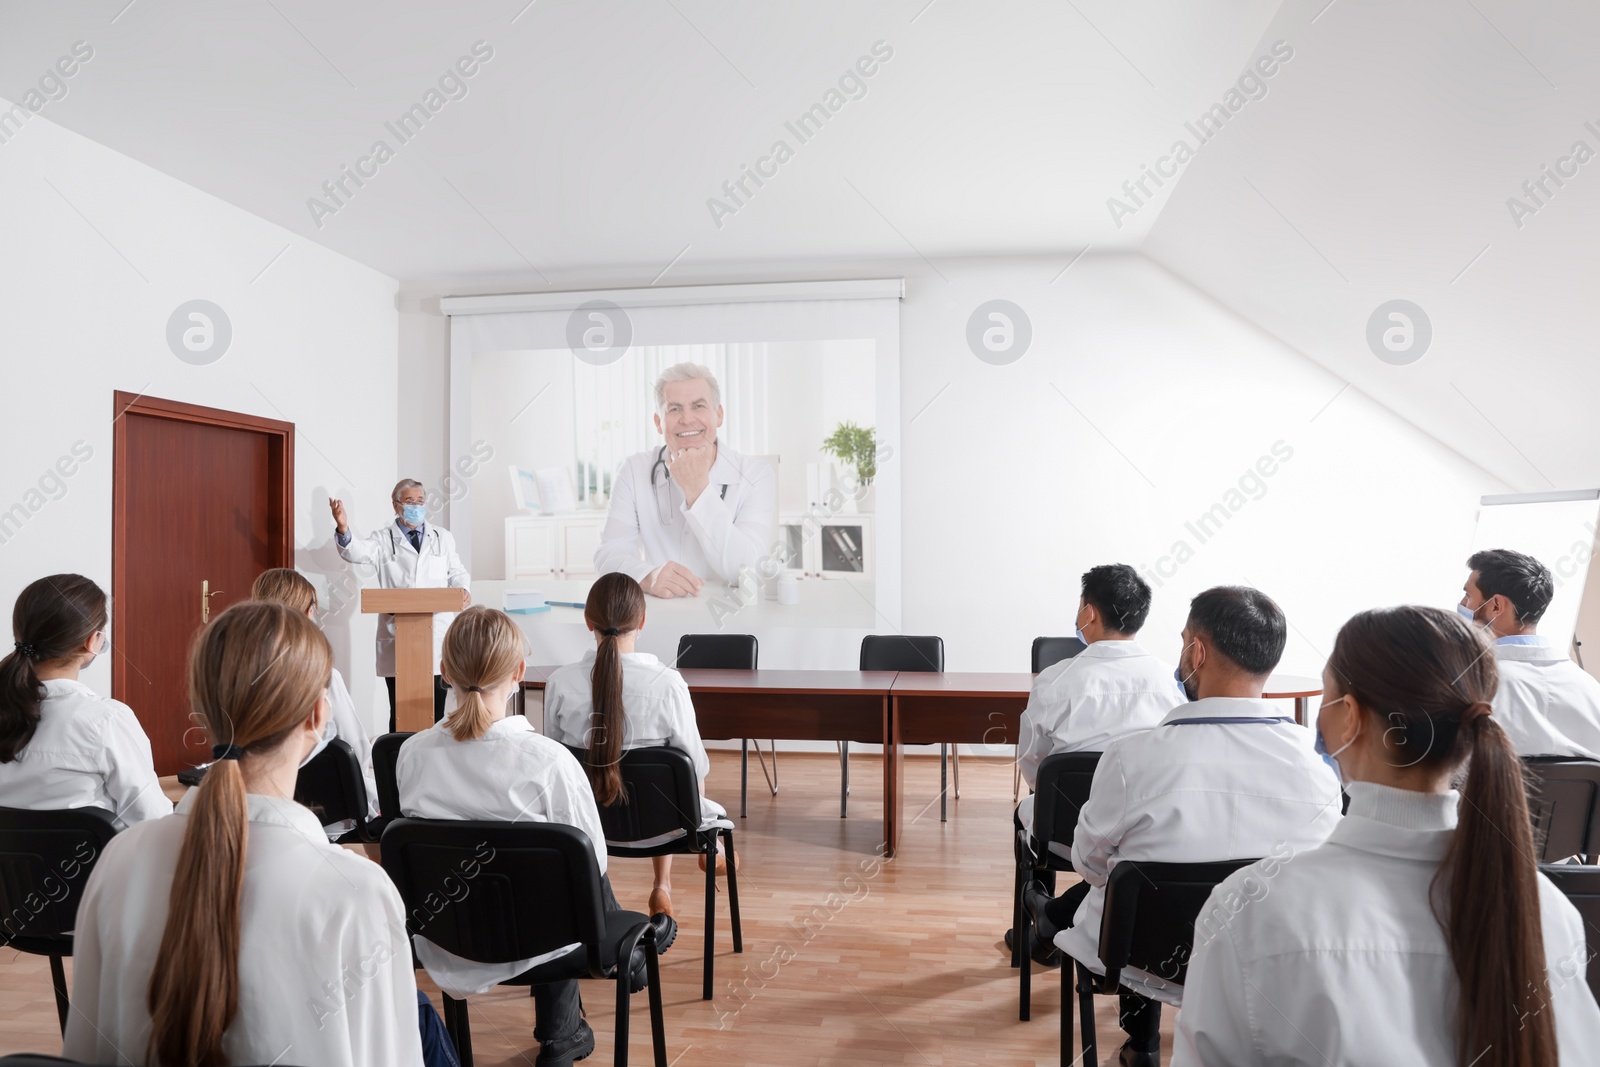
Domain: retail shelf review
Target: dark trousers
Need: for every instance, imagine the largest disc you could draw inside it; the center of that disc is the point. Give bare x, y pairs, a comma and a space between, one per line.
439, 690
557, 1008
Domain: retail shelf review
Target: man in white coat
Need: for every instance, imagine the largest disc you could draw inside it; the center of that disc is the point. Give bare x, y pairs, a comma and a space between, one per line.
409, 553
1546, 704
1228, 776
1109, 690
690, 509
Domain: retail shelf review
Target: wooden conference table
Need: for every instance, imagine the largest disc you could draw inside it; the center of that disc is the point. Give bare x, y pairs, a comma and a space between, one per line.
887, 708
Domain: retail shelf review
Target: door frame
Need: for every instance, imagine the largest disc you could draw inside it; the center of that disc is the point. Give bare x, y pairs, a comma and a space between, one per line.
280, 460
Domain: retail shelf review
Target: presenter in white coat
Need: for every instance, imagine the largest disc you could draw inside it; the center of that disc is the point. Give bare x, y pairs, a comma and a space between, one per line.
1546, 704
409, 553
690, 510
232, 931
1228, 776
1422, 932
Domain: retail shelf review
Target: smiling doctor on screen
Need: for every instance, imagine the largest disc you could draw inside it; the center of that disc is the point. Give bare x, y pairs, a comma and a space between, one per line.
690, 509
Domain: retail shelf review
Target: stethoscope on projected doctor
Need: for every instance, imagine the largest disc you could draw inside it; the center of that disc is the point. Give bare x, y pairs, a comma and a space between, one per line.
664, 500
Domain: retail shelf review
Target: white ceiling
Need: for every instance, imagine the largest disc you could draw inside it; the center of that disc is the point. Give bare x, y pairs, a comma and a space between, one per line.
1376, 167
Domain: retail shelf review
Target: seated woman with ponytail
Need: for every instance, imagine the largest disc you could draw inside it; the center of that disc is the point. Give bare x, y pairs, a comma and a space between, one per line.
1421, 932
616, 699
480, 763
62, 745
284, 585
233, 932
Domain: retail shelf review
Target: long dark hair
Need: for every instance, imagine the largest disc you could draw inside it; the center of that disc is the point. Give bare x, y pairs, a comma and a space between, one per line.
1428, 676
255, 674
615, 607
51, 621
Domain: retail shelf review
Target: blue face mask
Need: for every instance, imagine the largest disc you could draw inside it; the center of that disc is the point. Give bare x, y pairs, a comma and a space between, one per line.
1077, 631
1321, 746
1467, 613
414, 514
1177, 674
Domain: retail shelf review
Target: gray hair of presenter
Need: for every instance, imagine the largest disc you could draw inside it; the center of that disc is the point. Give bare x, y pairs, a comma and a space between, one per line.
687, 372
402, 487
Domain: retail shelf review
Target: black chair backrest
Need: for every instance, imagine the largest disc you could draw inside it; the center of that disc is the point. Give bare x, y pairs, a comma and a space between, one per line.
1061, 791
1564, 801
331, 784
385, 753
45, 860
1150, 914
724, 652
1048, 651
660, 795
1581, 885
898, 652
496, 892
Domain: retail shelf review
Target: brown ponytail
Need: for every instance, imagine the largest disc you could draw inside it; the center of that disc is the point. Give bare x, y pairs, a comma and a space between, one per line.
1427, 677
482, 648
255, 674
53, 618
615, 607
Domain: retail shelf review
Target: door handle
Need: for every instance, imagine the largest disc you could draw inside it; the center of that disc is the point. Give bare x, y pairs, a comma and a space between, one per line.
206, 593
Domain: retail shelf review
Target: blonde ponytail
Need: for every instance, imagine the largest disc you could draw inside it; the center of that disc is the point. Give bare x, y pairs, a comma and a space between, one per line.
482, 648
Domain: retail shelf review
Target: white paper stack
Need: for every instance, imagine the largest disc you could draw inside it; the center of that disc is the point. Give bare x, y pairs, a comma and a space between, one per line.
524, 602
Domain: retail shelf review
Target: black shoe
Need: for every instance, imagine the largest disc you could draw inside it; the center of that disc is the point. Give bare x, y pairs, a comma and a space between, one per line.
1043, 952
568, 1050
1035, 898
1129, 1056
666, 928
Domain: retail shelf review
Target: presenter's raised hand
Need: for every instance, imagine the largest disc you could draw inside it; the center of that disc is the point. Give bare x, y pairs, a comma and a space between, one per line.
691, 469
672, 580
340, 519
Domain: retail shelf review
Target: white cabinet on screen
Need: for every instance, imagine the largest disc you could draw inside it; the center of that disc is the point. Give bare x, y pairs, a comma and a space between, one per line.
835, 546
552, 546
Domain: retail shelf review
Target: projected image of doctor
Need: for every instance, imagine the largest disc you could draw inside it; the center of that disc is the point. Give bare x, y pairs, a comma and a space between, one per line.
690, 510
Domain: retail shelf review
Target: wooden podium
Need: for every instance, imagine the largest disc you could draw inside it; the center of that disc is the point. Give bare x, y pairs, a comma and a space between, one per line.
413, 611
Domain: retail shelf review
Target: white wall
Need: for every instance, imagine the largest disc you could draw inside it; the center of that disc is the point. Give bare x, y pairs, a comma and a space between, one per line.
1011, 492
98, 251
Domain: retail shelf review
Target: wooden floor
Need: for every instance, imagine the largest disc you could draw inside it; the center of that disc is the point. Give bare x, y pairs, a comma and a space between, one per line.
847, 959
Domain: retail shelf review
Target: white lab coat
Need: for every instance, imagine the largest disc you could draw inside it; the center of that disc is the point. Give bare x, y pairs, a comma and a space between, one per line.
657, 710
325, 977
714, 539
1337, 957
1197, 793
510, 774
1109, 690
88, 751
1547, 704
345, 723
400, 566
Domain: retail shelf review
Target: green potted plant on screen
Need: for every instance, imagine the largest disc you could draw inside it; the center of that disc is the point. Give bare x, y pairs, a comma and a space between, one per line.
856, 446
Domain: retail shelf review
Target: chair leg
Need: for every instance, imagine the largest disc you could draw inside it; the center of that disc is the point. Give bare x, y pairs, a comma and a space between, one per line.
844, 776
624, 984
1020, 936
658, 1023
1067, 984
733, 893
1091, 1050
1016, 782
456, 1024
944, 790
709, 841
772, 777
744, 777
773, 745
58, 978
1017, 912
955, 767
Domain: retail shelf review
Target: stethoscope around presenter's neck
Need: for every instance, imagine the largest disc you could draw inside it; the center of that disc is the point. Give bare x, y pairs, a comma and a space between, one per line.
664, 499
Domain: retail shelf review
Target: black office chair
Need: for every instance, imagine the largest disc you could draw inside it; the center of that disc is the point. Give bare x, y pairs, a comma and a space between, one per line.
1581, 885
730, 652
661, 797
1564, 802
538, 891
1048, 651
1064, 781
385, 753
332, 786
45, 860
1148, 923
899, 652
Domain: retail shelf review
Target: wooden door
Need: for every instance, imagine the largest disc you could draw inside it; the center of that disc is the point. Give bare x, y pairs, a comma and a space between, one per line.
202, 500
